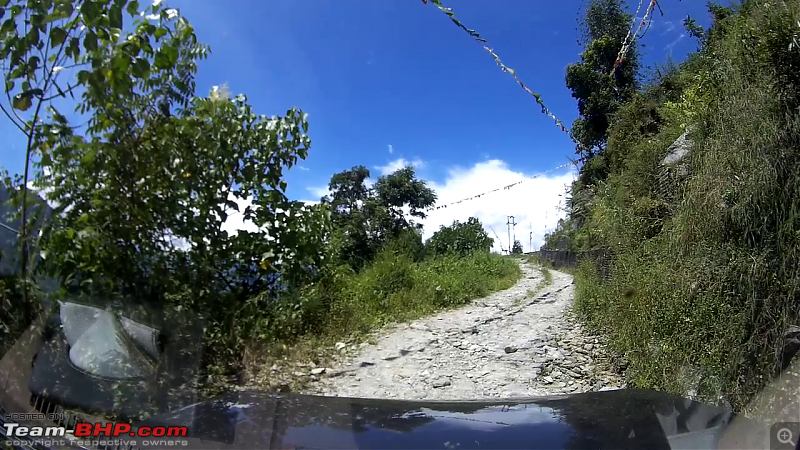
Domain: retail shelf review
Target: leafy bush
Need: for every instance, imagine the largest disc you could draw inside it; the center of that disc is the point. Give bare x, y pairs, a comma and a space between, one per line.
408, 243
460, 238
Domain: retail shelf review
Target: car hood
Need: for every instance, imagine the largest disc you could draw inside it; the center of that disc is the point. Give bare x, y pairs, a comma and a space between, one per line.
629, 418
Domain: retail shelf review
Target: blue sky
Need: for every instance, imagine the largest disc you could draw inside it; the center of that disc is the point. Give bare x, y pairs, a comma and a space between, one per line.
393, 81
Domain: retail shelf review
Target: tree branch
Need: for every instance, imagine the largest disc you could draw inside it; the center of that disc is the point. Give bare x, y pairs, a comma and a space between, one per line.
26, 175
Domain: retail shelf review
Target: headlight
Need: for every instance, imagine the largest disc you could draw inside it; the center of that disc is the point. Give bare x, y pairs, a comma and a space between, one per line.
105, 344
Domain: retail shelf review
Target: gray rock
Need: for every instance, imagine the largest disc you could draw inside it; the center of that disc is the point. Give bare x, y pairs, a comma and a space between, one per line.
419, 327
318, 371
440, 383
510, 349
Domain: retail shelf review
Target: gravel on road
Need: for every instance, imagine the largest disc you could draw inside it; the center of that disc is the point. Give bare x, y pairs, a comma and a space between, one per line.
520, 342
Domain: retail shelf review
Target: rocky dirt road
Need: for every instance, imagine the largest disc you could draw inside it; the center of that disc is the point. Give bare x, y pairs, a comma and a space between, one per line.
520, 342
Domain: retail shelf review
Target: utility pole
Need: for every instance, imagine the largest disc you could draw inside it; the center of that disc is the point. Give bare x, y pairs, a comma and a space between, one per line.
545, 226
509, 223
530, 237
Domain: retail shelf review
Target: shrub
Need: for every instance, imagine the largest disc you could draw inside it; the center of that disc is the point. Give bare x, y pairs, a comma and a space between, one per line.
408, 243
460, 238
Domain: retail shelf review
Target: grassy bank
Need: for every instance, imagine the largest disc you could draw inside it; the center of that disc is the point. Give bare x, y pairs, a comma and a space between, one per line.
393, 288
705, 279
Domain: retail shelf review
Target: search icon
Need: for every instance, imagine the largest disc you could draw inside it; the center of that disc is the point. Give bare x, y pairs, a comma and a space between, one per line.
785, 436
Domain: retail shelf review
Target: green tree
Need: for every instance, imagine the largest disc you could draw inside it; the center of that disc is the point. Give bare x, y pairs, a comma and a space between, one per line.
143, 192
516, 249
41, 41
460, 238
348, 202
599, 93
398, 190
51, 51
367, 218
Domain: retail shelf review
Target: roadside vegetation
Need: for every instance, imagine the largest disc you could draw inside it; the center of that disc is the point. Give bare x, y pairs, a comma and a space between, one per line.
547, 276
124, 199
704, 277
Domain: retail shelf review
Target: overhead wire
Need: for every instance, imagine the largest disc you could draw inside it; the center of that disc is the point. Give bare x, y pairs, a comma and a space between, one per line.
503, 67
627, 42
503, 188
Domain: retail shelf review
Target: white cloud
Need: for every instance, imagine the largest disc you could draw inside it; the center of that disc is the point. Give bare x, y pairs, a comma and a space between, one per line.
672, 44
533, 203
235, 220
318, 192
303, 168
399, 163
391, 149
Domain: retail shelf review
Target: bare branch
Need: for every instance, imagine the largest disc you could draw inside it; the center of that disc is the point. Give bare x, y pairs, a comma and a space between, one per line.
12, 118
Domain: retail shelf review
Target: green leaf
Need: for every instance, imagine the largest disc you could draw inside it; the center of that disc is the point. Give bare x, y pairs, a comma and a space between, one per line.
115, 16
33, 63
90, 11
166, 57
90, 41
37, 19
8, 26
9, 85
22, 102
57, 36
74, 49
33, 36
133, 8
65, 9
141, 68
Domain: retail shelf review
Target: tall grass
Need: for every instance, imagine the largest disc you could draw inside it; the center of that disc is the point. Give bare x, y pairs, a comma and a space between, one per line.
707, 284
394, 288
348, 306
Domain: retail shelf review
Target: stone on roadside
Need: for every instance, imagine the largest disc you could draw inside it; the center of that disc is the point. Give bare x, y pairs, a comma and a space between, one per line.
440, 383
340, 346
318, 371
510, 349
